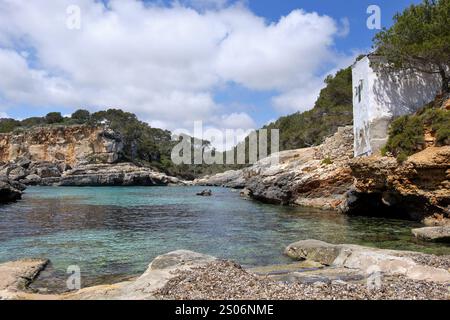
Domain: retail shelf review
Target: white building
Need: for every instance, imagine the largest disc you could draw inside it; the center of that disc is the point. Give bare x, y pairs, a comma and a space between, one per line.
380, 96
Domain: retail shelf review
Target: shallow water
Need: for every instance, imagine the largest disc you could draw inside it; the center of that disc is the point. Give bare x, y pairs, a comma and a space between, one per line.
114, 231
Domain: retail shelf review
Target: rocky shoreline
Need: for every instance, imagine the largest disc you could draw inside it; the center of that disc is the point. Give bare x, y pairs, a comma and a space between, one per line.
329, 178
77, 155
324, 271
58, 174
317, 177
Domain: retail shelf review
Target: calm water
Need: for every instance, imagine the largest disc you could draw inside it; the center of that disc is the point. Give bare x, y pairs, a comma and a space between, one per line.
113, 231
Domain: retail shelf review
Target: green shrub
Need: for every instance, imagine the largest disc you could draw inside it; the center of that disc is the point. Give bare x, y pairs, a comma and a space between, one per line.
81, 116
406, 133
54, 117
8, 125
327, 161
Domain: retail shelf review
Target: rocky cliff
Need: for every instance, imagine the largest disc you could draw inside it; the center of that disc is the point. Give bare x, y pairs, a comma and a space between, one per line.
70, 156
419, 188
328, 177
71, 145
318, 176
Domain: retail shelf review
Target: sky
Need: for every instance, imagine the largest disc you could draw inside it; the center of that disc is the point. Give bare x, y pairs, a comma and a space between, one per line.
230, 64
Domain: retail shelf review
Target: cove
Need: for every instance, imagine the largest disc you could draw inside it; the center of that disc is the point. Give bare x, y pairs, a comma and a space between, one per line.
114, 232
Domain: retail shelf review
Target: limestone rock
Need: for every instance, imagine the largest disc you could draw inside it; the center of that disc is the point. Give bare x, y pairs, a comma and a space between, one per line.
159, 272
231, 179
17, 275
17, 173
9, 191
301, 177
418, 188
314, 250
438, 234
123, 174
365, 259
73, 145
246, 193
32, 180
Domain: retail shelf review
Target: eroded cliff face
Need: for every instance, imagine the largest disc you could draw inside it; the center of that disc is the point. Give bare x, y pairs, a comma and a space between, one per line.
317, 177
419, 188
71, 145
71, 156
328, 177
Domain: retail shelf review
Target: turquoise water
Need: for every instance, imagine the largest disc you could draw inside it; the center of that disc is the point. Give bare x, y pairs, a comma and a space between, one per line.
113, 231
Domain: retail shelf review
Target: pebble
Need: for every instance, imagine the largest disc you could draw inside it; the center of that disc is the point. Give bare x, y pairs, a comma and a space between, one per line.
225, 280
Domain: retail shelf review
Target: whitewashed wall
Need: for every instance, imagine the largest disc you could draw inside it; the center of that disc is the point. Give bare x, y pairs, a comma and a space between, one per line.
385, 95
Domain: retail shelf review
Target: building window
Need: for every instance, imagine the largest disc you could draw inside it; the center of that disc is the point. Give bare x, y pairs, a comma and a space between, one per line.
358, 90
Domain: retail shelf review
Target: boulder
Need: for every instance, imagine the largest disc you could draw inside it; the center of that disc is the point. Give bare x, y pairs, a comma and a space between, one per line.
32, 180
23, 162
437, 234
17, 173
246, 193
46, 170
10, 191
314, 250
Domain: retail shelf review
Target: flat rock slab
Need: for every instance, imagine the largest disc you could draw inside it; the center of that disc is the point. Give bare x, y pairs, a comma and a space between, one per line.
436, 234
367, 260
325, 275
279, 269
17, 275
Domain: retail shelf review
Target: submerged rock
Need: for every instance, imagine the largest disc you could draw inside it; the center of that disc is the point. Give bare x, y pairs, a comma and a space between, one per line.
205, 193
437, 234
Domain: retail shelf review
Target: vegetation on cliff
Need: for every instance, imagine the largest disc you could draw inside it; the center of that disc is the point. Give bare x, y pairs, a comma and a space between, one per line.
333, 109
152, 146
143, 144
419, 40
407, 133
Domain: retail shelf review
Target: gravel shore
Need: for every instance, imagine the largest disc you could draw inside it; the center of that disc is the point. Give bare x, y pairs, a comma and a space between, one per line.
224, 280
431, 260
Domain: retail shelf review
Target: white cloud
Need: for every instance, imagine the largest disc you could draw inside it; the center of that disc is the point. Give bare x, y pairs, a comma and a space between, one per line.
162, 63
239, 124
299, 99
239, 120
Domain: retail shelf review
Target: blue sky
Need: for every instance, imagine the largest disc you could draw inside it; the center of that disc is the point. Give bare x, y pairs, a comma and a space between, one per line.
227, 63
